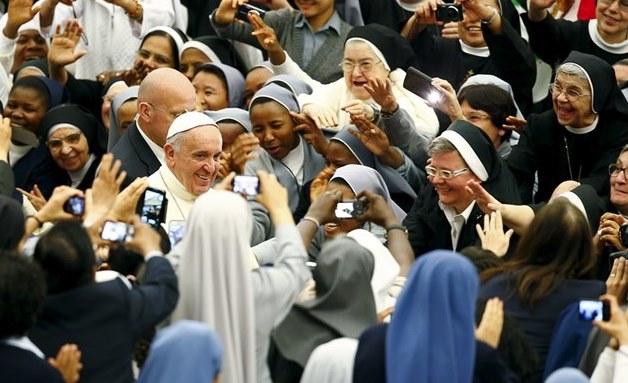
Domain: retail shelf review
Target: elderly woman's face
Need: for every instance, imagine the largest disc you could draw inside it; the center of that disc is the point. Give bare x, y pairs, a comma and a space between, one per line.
572, 104
619, 185
364, 65
69, 148
612, 20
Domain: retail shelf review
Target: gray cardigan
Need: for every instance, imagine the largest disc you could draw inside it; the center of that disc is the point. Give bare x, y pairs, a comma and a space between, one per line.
323, 66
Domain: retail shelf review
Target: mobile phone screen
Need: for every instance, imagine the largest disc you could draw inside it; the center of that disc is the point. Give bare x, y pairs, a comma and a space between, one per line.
344, 210
176, 230
118, 232
247, 185
590, 310
420, 84
153, 209
75, 205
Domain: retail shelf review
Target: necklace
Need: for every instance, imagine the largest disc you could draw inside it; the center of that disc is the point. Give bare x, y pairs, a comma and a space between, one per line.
569, 162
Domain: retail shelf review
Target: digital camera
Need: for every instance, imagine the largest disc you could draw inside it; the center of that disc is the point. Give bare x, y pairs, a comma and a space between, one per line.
448, 12
244, 9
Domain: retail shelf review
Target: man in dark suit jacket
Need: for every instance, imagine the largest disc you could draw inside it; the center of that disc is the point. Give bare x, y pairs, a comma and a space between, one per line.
103, 319
163, 95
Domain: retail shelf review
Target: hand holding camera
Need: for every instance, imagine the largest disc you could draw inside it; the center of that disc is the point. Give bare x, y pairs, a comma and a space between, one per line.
613, 231
231, 10
616, 325
66, 203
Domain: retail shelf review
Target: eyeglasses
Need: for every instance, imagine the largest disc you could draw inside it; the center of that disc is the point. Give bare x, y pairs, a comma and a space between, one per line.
570, 93
614, 171
477, 117
444, 174
363, 66
171, 114
623, 4
70, 139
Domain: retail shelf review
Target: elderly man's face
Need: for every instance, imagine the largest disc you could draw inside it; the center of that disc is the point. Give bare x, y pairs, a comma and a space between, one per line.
452, 191
194, 160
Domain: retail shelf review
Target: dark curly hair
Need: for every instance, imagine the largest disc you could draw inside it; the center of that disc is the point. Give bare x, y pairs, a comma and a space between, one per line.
22, 291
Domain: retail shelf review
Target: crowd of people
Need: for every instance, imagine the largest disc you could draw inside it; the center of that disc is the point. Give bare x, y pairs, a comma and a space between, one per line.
326, 191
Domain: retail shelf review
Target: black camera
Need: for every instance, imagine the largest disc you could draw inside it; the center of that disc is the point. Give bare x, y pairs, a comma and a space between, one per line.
623, 235
350, 209
448, 12
244, 9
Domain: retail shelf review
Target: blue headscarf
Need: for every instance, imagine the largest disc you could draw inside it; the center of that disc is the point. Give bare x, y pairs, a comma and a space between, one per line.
431, 337
186, 351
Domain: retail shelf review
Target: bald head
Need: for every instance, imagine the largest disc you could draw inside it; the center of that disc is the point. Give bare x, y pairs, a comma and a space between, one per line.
164, 93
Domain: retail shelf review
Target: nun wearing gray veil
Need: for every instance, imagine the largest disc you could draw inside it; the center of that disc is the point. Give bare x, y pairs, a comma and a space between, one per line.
117, 126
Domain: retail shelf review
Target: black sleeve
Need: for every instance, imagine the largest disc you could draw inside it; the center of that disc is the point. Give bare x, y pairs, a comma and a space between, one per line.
7, 181
522, 161
551, 39
87, 93
155, 298
489, 367
515, 62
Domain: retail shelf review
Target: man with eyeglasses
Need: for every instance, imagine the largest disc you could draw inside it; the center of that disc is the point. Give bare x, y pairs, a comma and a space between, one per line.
163, 95
606, 36
445, 213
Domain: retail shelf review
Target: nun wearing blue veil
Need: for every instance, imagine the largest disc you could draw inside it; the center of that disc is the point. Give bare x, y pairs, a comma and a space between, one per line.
431, 337
187, 351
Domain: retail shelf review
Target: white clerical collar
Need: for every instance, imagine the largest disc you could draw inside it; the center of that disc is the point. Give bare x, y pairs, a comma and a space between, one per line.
174, 186
156, 149
294, 161
450, 212
586, 129
25, 344
474, 51
617, 48
78, 176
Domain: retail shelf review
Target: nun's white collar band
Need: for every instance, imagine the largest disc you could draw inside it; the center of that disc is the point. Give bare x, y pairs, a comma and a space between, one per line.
467, 153
586, 129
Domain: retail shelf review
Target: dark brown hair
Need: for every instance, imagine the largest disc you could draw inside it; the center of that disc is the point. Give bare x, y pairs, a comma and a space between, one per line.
557, 246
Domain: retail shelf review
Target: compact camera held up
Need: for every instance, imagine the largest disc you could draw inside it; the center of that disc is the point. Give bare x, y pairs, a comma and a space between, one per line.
448, 12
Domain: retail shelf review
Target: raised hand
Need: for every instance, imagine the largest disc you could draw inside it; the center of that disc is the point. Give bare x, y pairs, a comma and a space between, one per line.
5, 138
243, 149
377, 209
61, 51
617, 282
124, 205
19, 12
311, 133
492, 234
323, 117
68, 363
319, 183
371, 135
226, 11
448, 103
515, 123
450, 30
486, 202
359, 108
53, 211
490, 329
265, 35
617, 325
35, 197
537, 9
381, 92
100, 198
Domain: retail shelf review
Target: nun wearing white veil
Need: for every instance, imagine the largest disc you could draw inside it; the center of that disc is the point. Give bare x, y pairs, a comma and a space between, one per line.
217, 285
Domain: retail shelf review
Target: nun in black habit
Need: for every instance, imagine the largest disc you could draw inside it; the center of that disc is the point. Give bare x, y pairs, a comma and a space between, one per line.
579, 137
503, 52
76, 142
428, 222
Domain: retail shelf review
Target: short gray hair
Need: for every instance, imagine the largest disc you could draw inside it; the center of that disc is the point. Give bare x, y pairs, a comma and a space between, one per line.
441, 145
572, 69
176, 140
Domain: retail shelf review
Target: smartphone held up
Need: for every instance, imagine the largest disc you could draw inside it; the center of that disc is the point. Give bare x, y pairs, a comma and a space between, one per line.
590, 310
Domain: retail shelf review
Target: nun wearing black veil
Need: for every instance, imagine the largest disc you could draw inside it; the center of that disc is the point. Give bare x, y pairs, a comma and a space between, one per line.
445, 214
579, 137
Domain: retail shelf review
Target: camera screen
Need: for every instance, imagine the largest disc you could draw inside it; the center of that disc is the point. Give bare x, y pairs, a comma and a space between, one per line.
176, 230
344, 210
75, 205
153, 204
116, 231
247, 185
591, 310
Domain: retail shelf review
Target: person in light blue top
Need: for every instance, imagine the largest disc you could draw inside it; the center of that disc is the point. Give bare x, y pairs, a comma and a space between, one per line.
187, 351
